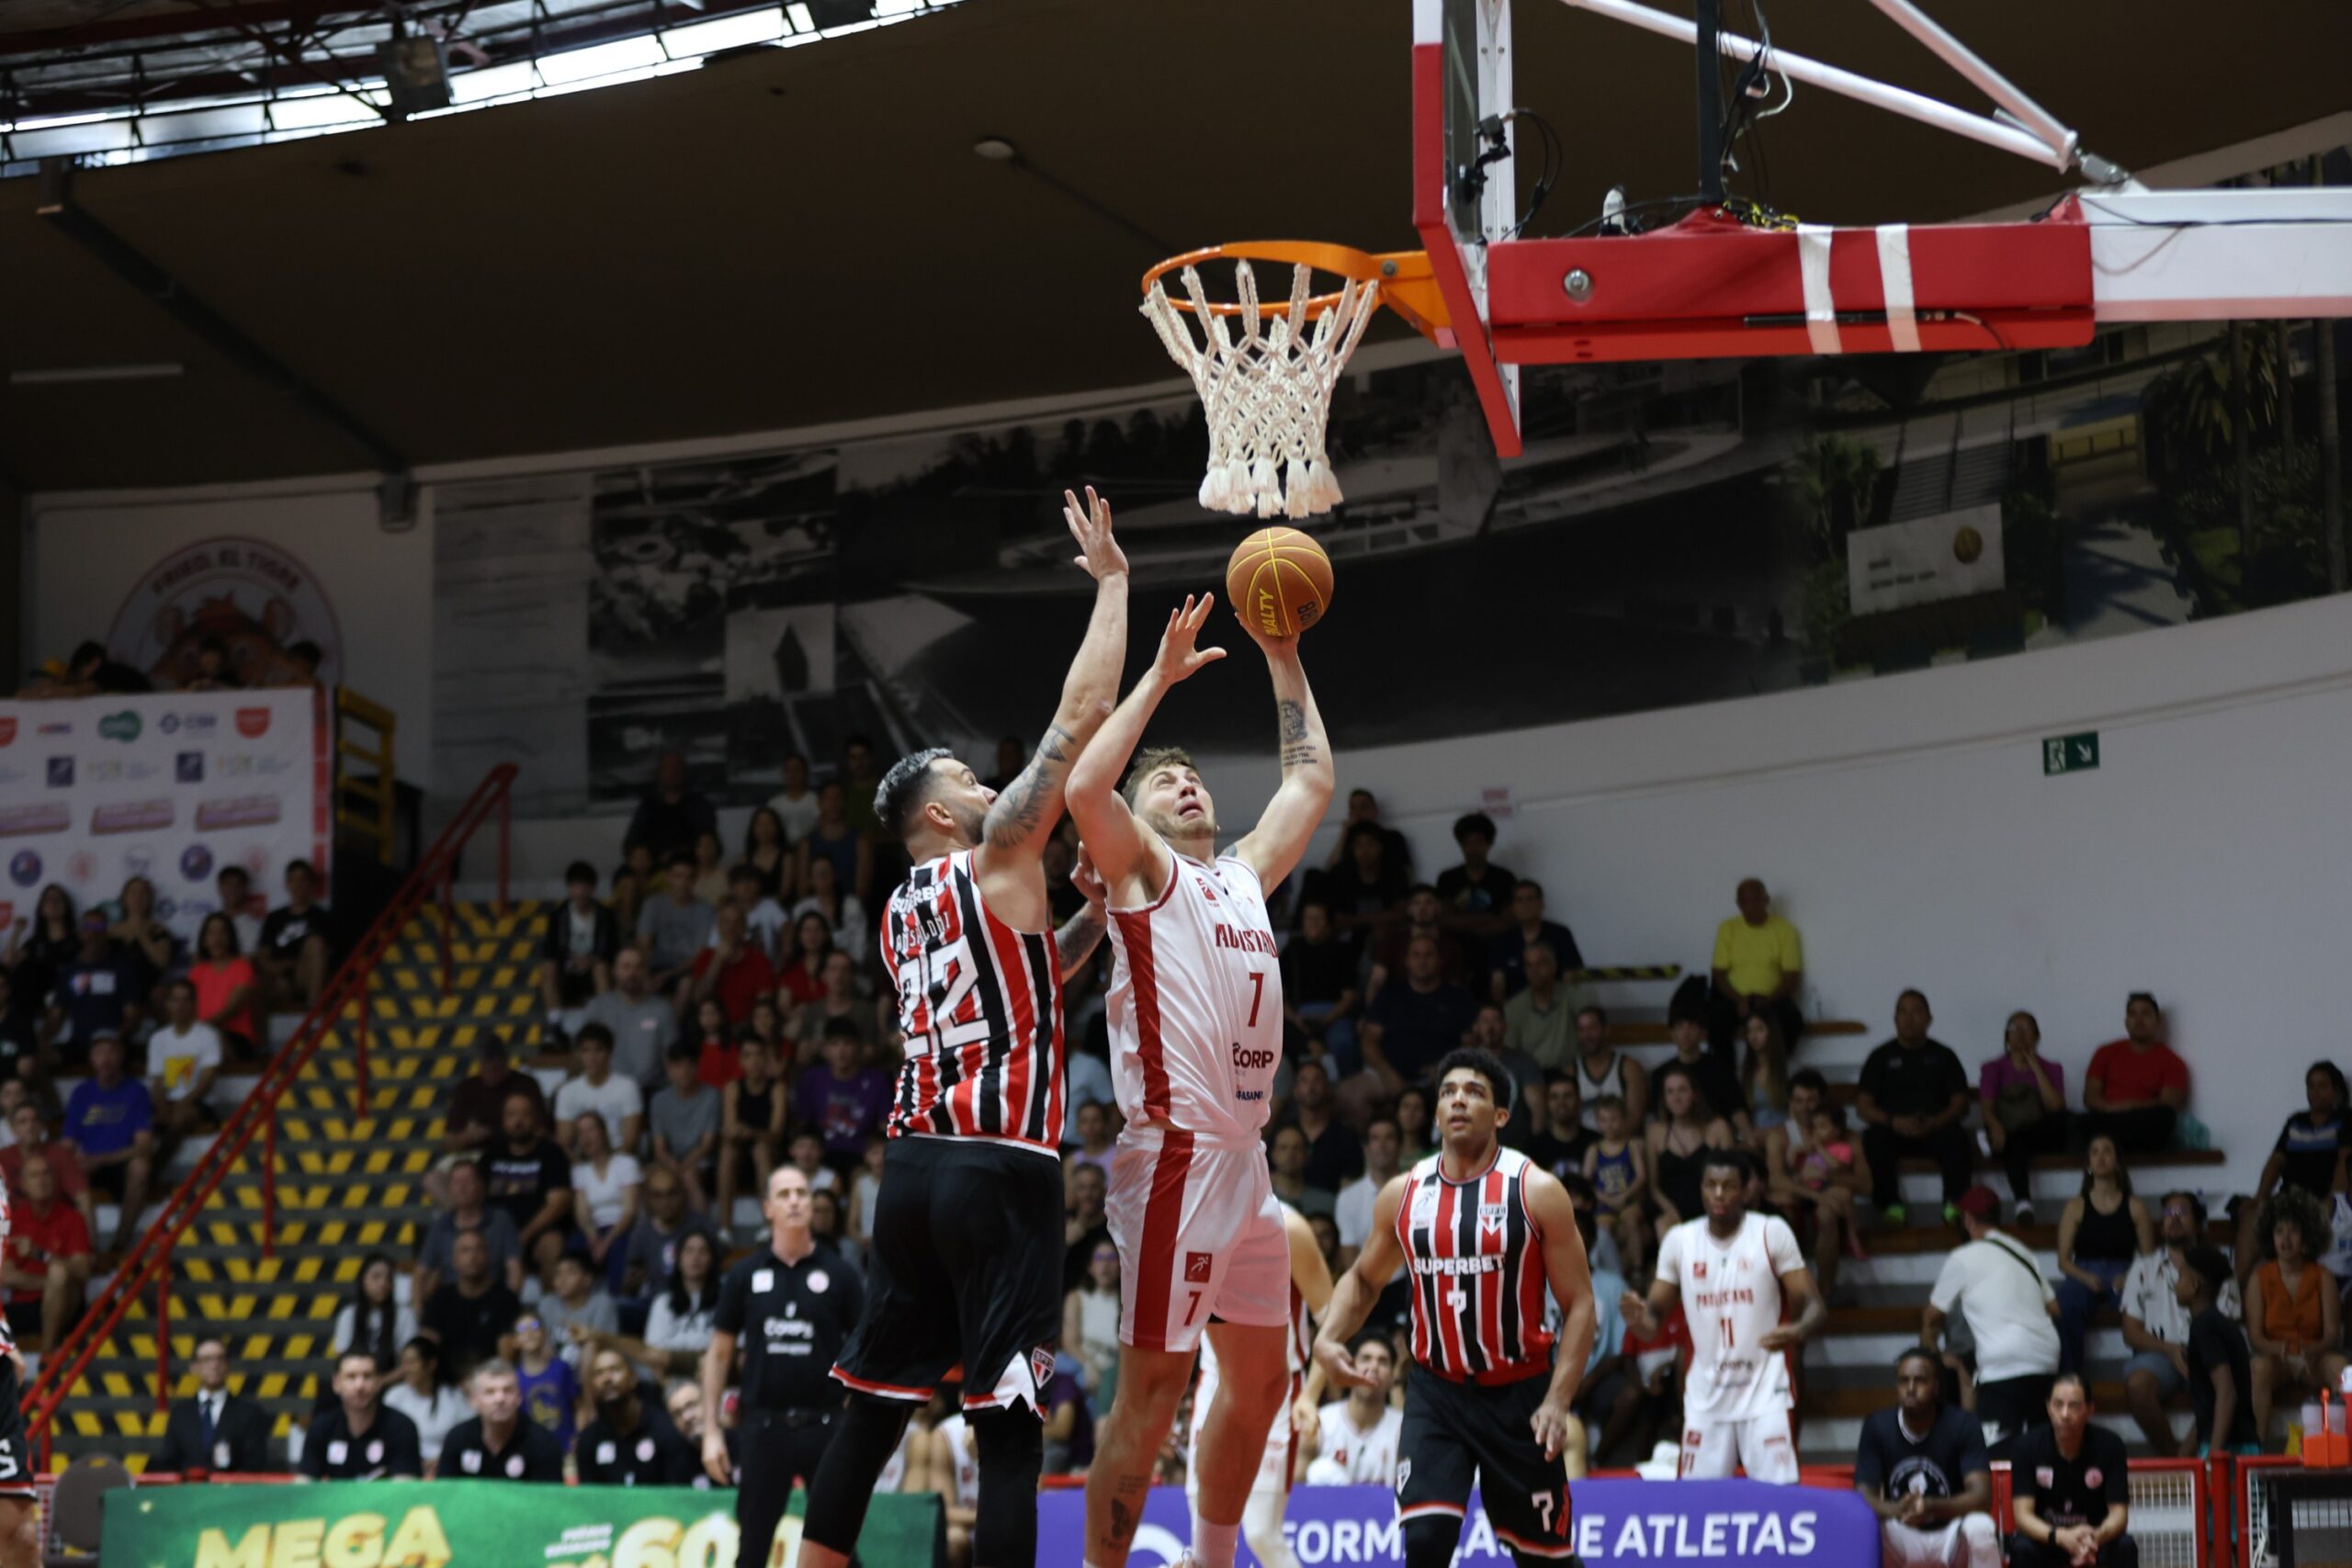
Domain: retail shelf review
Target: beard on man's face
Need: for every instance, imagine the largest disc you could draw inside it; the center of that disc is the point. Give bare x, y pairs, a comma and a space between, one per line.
1168, 825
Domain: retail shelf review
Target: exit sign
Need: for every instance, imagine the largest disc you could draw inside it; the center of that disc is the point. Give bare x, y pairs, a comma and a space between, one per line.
2070, 754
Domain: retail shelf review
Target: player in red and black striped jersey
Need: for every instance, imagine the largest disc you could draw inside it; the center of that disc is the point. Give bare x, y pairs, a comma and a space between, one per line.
965, 1263
1482, 1230
19, 1512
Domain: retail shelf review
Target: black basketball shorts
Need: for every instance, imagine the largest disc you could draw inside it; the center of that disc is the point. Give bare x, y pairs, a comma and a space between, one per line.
1455, 1434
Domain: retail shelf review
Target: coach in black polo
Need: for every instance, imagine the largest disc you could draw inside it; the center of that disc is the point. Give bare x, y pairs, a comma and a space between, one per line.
791, 1308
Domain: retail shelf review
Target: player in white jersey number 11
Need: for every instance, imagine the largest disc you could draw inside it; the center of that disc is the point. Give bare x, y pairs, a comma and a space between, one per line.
1195, 1009
1735, 1272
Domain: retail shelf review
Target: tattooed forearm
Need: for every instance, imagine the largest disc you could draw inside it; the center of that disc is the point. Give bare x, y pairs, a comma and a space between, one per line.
1055, 746
1023, 805
1300, 754
1077, 939
1293, 719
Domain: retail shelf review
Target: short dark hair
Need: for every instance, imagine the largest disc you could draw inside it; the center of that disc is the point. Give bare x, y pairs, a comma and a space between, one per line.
1150, 761
1428, 887
301, 865
355, 1352
2077, 1379
2210, 1264
843, 1029
238, 871
1560, 1074
1593, 1007
594, 1035
680, 1051
2196, 1205
1913, 991
1809, 1078
1737, 1161
1528, 884
580, 870
1484, 1064
87, 653
1921, 1353
678, 858
904, 788
1371, 1337
742, 871
1474, 822
2147, 997
1578, 1188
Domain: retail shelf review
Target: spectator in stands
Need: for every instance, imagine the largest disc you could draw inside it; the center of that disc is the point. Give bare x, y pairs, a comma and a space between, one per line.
91, 672
764, 918
631, 1442
1711, 1070
1559, 1144
358, 1439
605, 1183
802, 977
1421, 911
733, 970
671, 815
111, 1122
2010, 1310
1091, 1324
1923, 1469
635, 880
471, 1316
1095, 1145
2310, 1154
2291, 1312
805, 1150
296, 953
19, 1035
1808, 1185
373, 1320
834, 838
550, 1388
1416, 1136
2156, 1323
419, 1392
183, 1062
48, 1260
794, 802
139, 934
844, 1101
1286, 1160
97, 992
37, 948
2024, 1097
1617, 1165
2071, 1489
498, 1444
1407, 1029
213, 1429
663, 1220
32, 1137
1759, 962
228, 987
1365, 806
1686, 1128
2136, 1087
1601, 1069
215, 671
844, 912
641, 1024
1764, 1075
308, 657
577, 946
1477, 892
1320, 997
578, 1306
476, 1115
1352, 1211
1085, 1223
235, 885
1367, 889
1355, 1441
2219, 1369
839, 1003
674, 925
1914, 1093
860, 776
1334, 1154
711, 868
1529, 927
750, 1129
597, 1089
528, 1176
1540, 1020
767, 851
685, 1121
2102, 1230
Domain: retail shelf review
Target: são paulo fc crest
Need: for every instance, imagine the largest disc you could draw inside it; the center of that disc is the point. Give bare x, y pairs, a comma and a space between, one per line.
1041, 1364
1490, 1216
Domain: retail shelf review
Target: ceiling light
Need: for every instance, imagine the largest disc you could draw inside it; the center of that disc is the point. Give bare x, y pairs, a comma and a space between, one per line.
93, 373
996, 150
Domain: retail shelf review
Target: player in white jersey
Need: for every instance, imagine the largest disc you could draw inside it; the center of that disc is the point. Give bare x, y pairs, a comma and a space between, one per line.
1734, 1273
1195, 1016
1356, 1438
1261, 1519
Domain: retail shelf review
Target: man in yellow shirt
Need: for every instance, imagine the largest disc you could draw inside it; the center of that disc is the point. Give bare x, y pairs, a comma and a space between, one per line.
1758, 966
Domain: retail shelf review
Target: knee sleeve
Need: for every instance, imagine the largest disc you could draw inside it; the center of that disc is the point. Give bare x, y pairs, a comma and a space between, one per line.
1430, 1539
864, 1436
1010, 1448
1981, 1541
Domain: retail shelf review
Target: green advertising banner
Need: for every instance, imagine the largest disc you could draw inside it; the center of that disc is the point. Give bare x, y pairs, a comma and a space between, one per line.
473, 1523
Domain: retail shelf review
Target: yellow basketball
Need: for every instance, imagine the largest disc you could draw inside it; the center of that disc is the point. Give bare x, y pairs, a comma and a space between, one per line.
1279, 581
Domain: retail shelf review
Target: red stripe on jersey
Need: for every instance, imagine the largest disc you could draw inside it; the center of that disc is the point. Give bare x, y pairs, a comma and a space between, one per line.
1163, 1218
1449, 1324
1012, 959
1491, 1286
1135, 936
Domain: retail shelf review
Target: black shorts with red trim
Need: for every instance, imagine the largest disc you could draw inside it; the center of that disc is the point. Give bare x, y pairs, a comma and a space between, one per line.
1456, 1434
965, 1270
16, 1457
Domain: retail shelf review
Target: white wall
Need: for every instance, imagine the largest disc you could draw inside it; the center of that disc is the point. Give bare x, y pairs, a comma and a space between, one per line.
86, 553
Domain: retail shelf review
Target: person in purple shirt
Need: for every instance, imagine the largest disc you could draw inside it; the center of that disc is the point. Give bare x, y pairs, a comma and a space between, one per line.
2024, 1094
111, 1122
842, 1100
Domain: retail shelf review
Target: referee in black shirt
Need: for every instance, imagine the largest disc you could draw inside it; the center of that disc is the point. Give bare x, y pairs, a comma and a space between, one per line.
791, 1308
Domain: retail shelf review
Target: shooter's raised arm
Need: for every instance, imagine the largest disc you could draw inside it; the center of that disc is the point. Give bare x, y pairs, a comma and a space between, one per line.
1274, 846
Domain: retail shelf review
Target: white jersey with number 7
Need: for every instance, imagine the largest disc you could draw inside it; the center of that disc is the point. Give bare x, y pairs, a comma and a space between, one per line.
1731, 1298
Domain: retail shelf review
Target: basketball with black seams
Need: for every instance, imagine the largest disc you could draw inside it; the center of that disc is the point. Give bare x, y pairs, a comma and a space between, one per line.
1279, 581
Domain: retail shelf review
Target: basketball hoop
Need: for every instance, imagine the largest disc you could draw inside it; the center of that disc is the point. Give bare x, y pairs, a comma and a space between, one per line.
1265, 371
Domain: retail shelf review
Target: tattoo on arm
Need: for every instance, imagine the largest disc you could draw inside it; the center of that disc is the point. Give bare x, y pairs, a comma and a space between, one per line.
1293, 716
1298, 755
1023, 804
1076, 937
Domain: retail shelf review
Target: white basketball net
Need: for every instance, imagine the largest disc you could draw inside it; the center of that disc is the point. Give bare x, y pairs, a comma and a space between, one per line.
1267, 388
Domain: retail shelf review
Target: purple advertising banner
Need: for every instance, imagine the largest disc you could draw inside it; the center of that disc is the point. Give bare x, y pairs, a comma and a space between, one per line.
1740, 1524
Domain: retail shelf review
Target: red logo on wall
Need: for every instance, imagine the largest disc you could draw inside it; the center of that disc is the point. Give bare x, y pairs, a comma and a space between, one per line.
8, 730
252, 722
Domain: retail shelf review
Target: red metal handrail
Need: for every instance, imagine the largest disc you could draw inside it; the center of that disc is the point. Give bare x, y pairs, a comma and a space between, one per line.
149, 1260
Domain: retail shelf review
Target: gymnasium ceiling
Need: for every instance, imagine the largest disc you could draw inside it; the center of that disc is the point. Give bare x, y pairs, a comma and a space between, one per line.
800, 236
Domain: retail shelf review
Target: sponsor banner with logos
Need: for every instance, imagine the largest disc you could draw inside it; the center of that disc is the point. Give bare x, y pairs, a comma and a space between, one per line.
1742, 1524
475, 1524
171, 787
